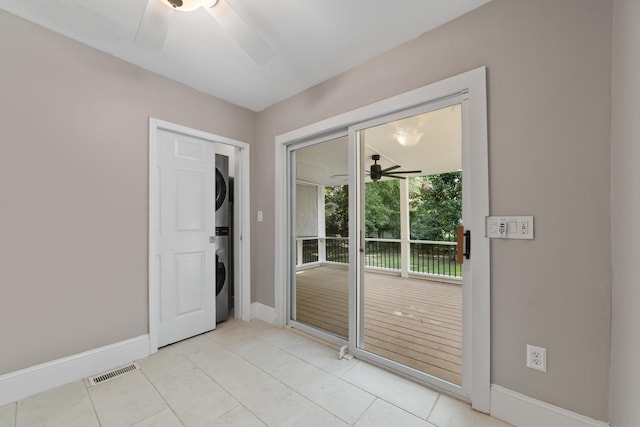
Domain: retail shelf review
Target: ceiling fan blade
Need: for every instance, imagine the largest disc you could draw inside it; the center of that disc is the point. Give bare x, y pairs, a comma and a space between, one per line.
395, 176
346, 174
254, 45
390, 168
154, 25
406, 172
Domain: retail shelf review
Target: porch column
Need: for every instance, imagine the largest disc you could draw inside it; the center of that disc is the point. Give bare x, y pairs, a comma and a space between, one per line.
299, 258
405, 232
322, 229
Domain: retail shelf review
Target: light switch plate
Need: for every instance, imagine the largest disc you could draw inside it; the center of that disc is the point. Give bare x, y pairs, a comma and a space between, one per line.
509, 227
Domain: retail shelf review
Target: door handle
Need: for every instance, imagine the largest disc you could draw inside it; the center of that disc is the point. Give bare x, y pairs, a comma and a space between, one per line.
459, 244
463, 244
212, 239
467, 244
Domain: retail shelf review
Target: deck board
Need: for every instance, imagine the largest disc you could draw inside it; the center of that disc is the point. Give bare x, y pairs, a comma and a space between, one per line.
410, 320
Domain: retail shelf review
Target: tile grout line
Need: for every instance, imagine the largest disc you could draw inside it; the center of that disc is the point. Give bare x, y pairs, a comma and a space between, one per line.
368, 391
270, 376
219, 385
339, 378
365, 411
161, 397
312, 339
93, 405
433, 407
318, 341
278, 380
360, 388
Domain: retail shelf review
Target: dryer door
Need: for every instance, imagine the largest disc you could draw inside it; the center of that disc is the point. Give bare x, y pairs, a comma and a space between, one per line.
221, 189
221, 274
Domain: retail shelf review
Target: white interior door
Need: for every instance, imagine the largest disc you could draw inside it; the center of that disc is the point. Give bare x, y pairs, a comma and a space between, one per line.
185, 243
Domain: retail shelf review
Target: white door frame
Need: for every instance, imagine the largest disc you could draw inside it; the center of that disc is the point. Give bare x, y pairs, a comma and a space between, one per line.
242, 242
477, 308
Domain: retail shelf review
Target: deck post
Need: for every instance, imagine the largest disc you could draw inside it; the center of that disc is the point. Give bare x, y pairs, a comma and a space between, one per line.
322, 229
405, 232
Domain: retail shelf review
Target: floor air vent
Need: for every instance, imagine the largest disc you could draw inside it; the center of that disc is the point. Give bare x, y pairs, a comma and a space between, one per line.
112, 374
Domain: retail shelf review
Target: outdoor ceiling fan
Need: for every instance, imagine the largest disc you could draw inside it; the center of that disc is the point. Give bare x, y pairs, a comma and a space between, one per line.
157, 19
376, 172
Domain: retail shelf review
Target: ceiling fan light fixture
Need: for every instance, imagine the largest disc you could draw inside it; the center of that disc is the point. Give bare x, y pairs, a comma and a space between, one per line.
189, 5
406, 137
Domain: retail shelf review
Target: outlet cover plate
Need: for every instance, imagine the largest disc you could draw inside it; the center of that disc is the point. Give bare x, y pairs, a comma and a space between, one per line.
509, 227
537, 358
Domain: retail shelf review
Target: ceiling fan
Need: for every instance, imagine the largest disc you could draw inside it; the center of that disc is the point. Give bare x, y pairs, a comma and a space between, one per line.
376, 172
157, 18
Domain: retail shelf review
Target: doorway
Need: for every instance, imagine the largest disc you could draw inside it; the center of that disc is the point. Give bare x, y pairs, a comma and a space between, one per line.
184, 240
468, 91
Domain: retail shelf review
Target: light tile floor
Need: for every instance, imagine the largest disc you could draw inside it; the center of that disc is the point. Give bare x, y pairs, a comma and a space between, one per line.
245, 374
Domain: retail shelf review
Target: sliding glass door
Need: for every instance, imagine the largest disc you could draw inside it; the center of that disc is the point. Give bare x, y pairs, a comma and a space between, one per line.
409, 290
319, 258
373, 246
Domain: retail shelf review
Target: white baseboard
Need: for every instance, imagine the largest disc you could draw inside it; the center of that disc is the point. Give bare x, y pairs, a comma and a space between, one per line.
29, 381
524, 411
264, 312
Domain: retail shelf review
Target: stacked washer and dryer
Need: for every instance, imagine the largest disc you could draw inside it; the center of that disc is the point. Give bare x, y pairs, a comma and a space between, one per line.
224, 236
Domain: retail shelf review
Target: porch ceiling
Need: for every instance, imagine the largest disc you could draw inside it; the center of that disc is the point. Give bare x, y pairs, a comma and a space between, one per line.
438, 149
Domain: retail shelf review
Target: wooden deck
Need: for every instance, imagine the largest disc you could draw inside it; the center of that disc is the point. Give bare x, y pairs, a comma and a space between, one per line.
412, 321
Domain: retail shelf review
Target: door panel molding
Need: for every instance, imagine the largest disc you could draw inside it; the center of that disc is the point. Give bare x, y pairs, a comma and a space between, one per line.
471, 86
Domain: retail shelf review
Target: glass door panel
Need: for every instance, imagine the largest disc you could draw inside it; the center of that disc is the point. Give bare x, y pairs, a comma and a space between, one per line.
319, 294
409, 290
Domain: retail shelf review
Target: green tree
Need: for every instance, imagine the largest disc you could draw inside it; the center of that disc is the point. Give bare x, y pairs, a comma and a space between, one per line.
336, 205
436, 202
382, 209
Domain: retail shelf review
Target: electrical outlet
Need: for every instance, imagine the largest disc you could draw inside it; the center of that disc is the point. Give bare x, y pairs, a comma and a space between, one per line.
537, 358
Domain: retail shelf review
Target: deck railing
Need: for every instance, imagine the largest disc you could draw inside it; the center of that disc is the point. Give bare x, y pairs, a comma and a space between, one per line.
433, 257
436, 258
309, 251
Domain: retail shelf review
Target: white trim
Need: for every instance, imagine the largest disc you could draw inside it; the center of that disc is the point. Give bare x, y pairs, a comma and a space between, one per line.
475, 122
264, 313
473, 85
242, 271
29, 381
524, 411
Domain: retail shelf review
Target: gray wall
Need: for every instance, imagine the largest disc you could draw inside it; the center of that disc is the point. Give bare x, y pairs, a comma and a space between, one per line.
549, 140
73, 190
625, 152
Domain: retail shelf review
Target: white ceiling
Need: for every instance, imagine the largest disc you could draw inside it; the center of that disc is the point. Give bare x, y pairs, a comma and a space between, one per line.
313, 40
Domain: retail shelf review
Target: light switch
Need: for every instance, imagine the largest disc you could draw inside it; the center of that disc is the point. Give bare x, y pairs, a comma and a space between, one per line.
509, 227
502, 228
259, 216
